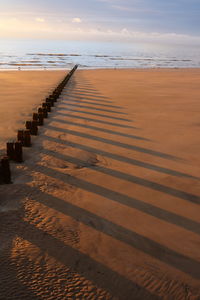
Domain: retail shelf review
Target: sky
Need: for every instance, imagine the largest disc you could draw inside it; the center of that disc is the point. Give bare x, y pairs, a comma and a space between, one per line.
175, 21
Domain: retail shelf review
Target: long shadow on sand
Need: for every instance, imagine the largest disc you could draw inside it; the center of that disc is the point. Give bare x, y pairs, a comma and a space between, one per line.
86, 96
134, 179
120, 158
122, 198
98, 115
20, 280
99, 274
94, 120
114, 143
100, 97
75, 100
140, 205
92, 108
142, 243
11, 285
99, 129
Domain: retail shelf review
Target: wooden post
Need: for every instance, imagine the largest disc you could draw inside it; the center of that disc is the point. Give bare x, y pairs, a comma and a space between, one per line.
27, 138
10, 150
18, 152
46, 105
34, 128
57, 91
20, 136
56, 96
5, 174
40, 119
53, 97
50, 101
35, 116
28, 125
45, 112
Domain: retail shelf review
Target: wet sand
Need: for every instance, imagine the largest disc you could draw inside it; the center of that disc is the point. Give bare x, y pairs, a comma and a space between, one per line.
106, 204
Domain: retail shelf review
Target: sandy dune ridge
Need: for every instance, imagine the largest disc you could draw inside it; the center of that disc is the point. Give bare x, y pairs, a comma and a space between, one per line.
106, 204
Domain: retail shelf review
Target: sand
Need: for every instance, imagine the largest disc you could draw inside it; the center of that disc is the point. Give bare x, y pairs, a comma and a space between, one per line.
106, 203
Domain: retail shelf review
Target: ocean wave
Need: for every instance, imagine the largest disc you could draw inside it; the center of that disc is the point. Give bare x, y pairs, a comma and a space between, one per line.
97, 55
30, 61
24, 64
150, 59
65, 60
53, 54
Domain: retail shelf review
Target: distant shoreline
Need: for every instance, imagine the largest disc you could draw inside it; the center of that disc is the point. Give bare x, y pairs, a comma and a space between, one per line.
101, 68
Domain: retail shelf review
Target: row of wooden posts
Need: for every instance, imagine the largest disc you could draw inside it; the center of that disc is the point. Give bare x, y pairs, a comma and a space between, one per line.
15, 149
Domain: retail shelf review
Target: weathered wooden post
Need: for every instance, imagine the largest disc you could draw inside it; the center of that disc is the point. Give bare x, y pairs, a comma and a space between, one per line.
5, 173
27, 138
47, 106
18, 152
45, 112
20, 136
40, 119
52, 98
50, 101
28, 125
35, 116
40, 110
10, 150
32, 126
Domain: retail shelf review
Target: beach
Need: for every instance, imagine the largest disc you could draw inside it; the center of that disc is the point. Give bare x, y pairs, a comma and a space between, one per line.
106, 202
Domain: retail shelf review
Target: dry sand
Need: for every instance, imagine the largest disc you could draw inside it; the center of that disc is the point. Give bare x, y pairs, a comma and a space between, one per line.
106, 204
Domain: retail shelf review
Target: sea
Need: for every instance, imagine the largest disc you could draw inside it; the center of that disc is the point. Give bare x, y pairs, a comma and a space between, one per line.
45, 54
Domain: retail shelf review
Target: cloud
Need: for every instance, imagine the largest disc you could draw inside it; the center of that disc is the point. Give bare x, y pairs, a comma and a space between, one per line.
76, 20
135, 9
123, 8
40, 20
50, 28
125, 31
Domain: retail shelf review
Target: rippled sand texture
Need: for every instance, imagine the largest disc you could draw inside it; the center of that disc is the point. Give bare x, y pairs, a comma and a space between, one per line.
106, 204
